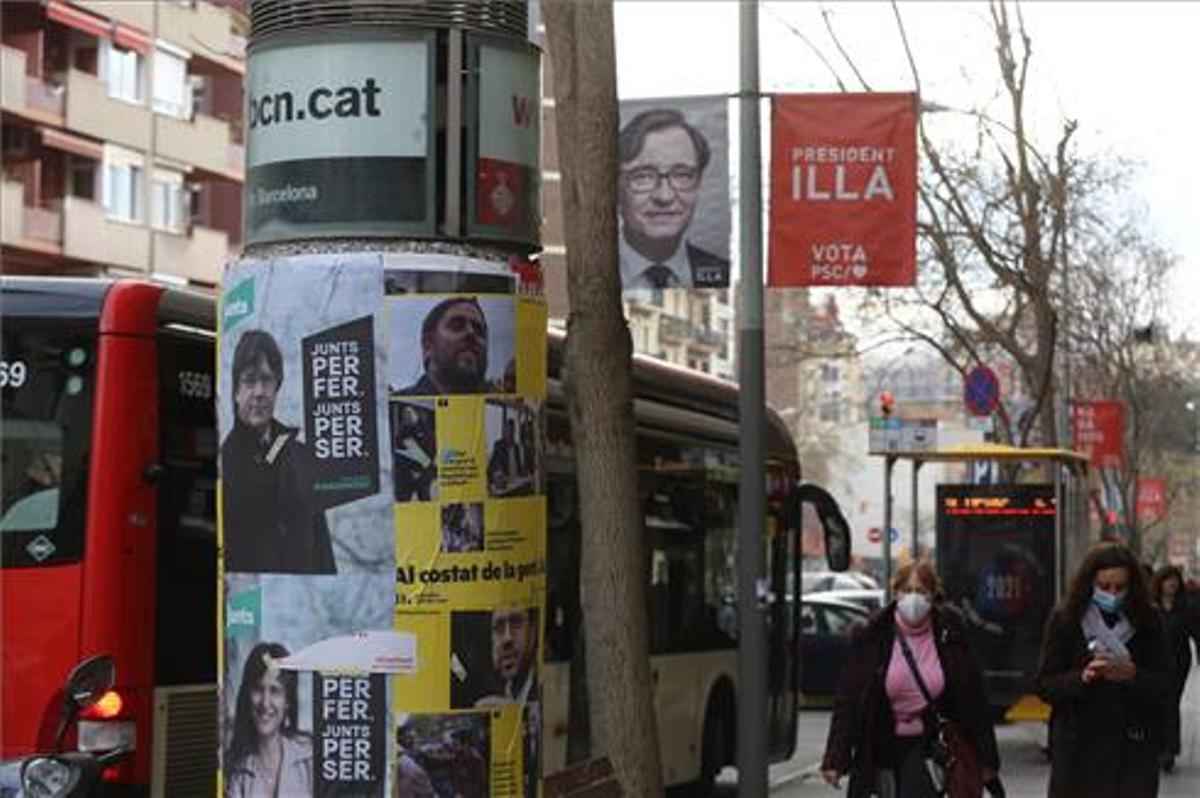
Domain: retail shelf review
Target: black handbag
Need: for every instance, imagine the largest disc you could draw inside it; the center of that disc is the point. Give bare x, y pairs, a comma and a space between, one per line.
954, 765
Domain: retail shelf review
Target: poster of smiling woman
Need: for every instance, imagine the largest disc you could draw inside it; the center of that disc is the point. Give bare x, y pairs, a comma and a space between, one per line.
673, 193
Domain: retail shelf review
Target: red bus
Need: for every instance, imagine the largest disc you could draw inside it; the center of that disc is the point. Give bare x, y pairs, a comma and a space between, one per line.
108, 522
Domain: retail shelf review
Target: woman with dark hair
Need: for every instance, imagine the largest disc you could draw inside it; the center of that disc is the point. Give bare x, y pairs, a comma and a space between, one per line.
1182, 627
268, 757
883, 723
1105, 671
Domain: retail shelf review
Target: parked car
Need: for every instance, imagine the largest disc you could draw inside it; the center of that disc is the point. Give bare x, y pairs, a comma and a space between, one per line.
819, 581
825, 628
869, 599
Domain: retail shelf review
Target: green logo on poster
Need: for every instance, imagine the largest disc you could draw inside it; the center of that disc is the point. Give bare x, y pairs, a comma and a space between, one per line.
239, 303
244, 612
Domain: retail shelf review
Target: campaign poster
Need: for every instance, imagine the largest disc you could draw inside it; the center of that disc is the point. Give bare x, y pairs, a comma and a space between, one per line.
271, 621
303, 418
468, 368
843, 190
673, 194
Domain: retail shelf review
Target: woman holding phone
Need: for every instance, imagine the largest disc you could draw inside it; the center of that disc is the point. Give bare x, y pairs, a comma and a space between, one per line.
1105, 671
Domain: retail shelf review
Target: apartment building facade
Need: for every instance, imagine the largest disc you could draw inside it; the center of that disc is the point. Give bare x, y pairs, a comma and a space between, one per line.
122, 138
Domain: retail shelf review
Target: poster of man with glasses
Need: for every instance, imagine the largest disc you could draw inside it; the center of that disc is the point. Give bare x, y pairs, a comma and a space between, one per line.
673, 193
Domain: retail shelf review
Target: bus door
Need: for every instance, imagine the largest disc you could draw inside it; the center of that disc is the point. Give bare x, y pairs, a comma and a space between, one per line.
782, 634
686, 639
185, 691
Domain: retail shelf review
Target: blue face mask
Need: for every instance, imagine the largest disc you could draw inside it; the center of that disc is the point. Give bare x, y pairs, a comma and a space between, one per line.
1108, 602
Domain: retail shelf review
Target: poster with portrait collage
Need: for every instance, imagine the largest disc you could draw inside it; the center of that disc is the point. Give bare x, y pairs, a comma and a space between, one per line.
382, 525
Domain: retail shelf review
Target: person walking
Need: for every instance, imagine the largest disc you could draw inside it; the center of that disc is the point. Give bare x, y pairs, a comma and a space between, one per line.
883, 725
1105, 671
1182, 627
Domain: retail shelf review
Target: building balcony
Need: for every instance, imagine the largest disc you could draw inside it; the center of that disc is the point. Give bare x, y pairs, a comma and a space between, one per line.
706, 339
91, 111
28, 228
24, 94
90, 235
198, 256
203, 142
200, 27
673, 329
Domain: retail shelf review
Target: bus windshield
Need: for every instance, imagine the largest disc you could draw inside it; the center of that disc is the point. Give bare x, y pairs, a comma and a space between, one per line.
46, 374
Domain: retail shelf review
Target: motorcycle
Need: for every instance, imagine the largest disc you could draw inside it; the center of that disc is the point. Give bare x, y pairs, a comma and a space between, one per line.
66, 774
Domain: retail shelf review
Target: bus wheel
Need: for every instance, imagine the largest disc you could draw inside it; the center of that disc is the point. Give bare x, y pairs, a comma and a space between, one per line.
717, 742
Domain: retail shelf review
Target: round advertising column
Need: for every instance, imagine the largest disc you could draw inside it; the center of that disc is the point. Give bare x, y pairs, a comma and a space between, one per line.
383, 522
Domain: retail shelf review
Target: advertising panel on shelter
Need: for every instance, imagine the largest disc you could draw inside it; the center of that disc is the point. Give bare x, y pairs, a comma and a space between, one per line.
996, 558
673, 193
843, 190
382, 525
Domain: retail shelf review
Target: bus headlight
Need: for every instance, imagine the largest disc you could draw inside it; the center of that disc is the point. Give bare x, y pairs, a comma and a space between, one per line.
47, 777
107, 735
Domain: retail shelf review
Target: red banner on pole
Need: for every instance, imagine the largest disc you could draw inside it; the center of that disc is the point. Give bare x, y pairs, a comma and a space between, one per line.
1098, 430
843, 189
1151, 500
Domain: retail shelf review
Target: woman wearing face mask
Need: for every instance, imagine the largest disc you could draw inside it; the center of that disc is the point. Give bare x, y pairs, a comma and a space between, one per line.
268, 757
1182, 627
1106, 672
882, 722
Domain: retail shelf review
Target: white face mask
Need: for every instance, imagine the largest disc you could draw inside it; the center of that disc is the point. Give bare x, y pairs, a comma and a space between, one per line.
914, 608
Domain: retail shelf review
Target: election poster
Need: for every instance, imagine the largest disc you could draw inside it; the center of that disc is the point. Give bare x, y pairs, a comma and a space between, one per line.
304, 423
382, 525
468, 356
673, 194
843, 190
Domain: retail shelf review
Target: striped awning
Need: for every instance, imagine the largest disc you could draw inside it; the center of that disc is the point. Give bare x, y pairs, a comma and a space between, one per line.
69, 142
67, 14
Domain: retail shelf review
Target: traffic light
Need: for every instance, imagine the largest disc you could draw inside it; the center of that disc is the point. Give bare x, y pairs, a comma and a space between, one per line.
887, 403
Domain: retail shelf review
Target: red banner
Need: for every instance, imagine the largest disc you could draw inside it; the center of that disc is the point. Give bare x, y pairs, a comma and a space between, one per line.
843, 189
1098, 430
1151, 501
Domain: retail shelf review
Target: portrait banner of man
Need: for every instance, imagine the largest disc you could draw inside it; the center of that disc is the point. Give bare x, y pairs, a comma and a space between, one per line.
673, 193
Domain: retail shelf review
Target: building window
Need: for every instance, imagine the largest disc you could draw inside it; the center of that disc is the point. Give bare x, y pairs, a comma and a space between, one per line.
172, 91
124, 186
121, 71
656, 297
170, 201
83, 174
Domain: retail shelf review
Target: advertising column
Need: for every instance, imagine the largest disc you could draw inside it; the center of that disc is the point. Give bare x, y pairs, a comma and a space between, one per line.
380, 409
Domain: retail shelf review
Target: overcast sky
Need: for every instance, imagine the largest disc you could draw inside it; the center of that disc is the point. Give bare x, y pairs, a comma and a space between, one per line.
1125, 71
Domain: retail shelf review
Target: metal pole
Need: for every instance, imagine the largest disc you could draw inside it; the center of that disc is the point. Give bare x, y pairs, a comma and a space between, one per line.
1059, 532
888, 462
752, 651
916, 543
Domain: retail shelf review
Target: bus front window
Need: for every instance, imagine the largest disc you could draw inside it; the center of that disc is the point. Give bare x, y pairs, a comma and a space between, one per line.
45, 377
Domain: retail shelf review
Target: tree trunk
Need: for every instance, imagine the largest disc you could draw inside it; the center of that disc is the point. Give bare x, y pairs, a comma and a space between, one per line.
599, 394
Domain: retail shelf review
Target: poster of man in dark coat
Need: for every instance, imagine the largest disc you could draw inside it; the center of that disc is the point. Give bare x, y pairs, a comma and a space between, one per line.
272, 522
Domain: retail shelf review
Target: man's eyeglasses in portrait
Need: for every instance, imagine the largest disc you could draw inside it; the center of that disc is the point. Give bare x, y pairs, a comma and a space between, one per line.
645, 179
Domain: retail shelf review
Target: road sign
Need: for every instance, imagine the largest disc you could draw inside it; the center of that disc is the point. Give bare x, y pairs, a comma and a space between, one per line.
981, 391
874, 535
902, 435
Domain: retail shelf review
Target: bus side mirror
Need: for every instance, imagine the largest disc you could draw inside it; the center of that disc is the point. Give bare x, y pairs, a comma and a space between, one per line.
834, 524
